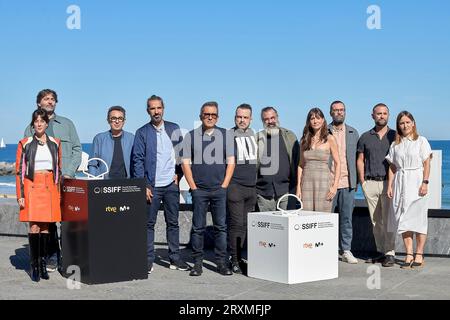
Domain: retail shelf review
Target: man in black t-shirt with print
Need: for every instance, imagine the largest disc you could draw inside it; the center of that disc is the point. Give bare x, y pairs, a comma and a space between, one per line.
241, 195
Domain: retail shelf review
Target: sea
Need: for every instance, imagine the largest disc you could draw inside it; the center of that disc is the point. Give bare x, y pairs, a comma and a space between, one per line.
8, 154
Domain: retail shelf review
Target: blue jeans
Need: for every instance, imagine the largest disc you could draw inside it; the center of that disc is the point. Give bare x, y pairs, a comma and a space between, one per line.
343, 203
218, 201
170, 196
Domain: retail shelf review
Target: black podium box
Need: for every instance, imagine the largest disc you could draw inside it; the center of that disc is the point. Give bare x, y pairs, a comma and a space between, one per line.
104, 230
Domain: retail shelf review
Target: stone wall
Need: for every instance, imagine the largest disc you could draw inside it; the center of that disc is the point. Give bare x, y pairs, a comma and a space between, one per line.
438, 242
7, 169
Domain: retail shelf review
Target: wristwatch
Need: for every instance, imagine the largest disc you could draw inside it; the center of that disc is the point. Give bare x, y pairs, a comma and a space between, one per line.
426, 181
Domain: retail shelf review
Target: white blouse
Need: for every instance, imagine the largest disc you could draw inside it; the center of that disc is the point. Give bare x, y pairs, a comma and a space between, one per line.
43, 160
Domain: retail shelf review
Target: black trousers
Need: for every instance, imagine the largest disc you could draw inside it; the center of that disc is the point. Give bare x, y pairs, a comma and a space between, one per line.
240, 201
53, 245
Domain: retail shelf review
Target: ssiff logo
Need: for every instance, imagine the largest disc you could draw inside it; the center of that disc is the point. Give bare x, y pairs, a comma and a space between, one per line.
261, 224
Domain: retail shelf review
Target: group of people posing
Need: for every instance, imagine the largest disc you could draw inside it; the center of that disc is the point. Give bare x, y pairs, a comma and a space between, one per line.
233, 172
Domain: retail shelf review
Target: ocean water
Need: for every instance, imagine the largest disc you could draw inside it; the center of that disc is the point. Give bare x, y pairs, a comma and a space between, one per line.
8, 154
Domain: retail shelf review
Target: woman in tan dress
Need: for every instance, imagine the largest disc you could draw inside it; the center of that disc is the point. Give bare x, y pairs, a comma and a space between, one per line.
315, 185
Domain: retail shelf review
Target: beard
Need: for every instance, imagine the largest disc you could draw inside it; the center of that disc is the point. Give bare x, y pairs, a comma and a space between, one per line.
338, 120
381, 123
49, 110
272, 130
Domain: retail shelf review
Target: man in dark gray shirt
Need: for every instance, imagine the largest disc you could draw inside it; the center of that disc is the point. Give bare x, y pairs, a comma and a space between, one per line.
373, 146
208, 166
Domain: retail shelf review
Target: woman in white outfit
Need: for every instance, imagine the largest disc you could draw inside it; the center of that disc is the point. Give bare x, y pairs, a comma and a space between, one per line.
409, 171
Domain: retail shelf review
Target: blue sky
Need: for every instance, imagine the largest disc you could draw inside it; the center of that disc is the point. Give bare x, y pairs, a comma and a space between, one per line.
293, 55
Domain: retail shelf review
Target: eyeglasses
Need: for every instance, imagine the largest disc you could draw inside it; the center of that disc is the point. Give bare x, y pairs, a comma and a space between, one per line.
212, 115
114, 119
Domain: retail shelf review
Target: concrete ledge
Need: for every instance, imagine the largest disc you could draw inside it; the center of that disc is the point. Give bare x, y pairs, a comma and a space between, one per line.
9, 218
438, 242
7, 168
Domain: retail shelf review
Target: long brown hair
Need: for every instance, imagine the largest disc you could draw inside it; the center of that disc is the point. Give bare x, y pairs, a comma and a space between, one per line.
399, 136
308, 132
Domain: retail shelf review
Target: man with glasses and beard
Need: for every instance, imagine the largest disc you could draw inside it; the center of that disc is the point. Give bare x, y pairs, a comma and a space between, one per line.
278, 159
344, 201
373, 147
63, 129
113, 146
208, 165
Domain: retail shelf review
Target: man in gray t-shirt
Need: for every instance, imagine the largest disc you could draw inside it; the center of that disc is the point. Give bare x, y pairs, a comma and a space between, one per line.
373, 146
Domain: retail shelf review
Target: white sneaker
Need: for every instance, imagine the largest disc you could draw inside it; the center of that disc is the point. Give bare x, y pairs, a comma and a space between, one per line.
52, 263
348, 257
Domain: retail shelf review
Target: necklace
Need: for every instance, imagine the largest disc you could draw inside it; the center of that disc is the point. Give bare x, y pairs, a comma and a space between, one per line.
40, 142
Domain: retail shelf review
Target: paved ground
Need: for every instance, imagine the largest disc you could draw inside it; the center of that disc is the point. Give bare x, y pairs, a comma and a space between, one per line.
432, 282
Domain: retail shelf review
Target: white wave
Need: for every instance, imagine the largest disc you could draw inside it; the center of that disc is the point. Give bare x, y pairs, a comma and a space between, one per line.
7, 184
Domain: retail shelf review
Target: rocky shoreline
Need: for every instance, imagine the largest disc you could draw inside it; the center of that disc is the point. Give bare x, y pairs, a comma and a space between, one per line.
7, 169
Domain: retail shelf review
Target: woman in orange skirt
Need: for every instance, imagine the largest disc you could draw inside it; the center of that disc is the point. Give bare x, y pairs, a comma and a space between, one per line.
38, 172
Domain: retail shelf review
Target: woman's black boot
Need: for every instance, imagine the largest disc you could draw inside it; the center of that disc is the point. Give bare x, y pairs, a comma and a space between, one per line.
43, 256
33, 239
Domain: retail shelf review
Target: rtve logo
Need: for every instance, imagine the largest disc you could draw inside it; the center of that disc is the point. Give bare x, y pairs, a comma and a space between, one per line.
111, 209
312, 246
267, 244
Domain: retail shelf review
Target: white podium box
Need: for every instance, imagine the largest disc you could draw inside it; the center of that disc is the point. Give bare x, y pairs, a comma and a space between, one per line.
293, 248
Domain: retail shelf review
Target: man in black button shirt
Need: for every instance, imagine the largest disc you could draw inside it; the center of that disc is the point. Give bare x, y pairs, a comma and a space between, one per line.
373, 146
278, 158
241, 195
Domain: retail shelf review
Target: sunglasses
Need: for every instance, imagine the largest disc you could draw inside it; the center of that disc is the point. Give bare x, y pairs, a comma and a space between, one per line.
212, 115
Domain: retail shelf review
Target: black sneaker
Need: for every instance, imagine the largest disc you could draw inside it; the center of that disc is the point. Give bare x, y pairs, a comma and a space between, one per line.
224, 270
235, 267
197, 270
379, 258
150, 268
179, 265
389, 261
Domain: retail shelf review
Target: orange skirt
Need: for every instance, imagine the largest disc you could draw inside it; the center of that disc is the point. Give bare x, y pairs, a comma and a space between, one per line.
42, 199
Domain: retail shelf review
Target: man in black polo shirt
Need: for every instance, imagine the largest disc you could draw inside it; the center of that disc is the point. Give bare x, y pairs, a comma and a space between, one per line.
241, 196
208, 166
373, 146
